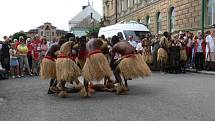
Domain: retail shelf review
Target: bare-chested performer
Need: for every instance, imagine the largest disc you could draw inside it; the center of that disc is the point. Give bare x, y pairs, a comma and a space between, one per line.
162, 57
82, 52
130, 65
66, 68
183, 53
48, 67
96, 66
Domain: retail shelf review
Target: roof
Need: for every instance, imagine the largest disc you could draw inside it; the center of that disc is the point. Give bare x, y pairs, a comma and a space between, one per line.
47, 23
33, 31
61, 31
85, 13
126, 26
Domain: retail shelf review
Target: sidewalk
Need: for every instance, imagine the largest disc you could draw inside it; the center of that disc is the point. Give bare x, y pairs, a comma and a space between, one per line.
202, 72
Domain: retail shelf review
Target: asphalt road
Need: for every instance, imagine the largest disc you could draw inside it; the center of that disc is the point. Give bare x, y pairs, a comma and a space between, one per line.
168, 97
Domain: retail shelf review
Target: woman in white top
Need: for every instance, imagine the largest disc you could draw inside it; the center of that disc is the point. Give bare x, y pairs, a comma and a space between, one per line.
210, 49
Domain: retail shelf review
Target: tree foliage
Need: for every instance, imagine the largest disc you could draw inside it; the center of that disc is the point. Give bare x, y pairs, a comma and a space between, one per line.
94, 30
18, 34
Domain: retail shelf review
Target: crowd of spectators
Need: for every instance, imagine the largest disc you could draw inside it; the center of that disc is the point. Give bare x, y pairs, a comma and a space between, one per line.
20, 57
200, 49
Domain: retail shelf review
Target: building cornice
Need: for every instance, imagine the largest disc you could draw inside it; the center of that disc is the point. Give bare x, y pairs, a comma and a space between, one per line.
143, 6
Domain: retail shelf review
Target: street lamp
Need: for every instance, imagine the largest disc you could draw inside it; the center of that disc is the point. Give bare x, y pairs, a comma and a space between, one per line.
203, 16
116, 10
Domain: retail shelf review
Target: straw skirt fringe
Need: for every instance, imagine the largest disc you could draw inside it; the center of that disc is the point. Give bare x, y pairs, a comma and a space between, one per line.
81, 62
162, 55
183, 55
96, 67
67, 69
134, 67
147, 58
47, 69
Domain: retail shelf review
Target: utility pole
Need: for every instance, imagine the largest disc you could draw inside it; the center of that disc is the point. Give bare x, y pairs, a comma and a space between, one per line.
203, 16
116, 10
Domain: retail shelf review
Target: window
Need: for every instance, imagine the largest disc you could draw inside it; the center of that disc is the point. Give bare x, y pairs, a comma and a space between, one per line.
41, 33
111, 4
150, 1
172, 19
136, 1
124, 5
211, 12
47, 33
148, 22
47, 28
159, 24
130, 3
52, 33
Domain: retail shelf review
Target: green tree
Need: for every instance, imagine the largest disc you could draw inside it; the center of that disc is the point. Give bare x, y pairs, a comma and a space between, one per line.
94, 30
18, 34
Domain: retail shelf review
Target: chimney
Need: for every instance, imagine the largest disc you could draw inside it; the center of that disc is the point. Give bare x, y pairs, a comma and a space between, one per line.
83, 7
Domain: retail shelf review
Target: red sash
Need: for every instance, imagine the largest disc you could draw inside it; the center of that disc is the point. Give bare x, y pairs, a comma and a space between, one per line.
50, 58
94, 52
131, 55
62, 55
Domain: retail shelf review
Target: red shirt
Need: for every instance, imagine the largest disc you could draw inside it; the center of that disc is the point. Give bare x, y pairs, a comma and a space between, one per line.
37, 42
36, 54
30, 49
17, 44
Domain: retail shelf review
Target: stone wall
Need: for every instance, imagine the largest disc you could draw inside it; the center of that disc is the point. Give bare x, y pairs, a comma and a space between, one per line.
188, 14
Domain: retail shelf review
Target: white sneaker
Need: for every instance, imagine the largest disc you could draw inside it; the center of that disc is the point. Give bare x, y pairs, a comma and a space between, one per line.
13, 77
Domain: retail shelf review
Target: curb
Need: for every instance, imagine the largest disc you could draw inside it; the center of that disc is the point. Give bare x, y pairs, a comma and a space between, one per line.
201, 72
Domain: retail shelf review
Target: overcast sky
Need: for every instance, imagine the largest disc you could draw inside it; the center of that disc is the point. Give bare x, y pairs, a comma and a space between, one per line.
24, 15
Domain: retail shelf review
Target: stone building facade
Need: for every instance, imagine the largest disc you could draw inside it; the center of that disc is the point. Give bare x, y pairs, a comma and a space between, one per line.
161, 15
48, 31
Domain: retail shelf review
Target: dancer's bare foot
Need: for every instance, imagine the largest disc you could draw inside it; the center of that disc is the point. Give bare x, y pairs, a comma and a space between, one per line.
63, 94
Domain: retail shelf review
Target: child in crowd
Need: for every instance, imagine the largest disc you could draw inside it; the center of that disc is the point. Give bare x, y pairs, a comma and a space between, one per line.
14, 64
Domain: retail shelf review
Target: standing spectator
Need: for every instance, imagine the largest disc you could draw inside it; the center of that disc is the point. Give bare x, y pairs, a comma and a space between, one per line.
189, 41
50, 43
29, 54
14, 64
1, 53
132, 41
43, 47
139, 48
35, 60
210, 46
5, 54
16, 41
22, 51
199, 50
36, 40
155, 47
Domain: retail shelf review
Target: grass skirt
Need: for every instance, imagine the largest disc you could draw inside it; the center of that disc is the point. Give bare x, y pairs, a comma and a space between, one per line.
47, 69
162, 55
96, 67
134, 67
148, 58
67, 69
81, 62
183, 55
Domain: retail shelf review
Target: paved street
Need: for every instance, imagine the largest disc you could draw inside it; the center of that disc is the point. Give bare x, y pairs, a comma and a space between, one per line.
166, 97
